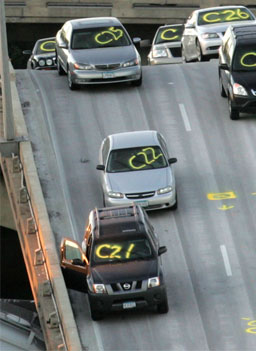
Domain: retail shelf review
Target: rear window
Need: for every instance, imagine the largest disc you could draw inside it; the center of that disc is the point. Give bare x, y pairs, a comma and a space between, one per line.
169, 34
245, 58
224, 15
93, 38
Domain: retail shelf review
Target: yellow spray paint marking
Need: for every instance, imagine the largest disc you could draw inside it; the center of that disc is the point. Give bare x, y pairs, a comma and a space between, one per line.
253, 193
115, 34
252, 325
173, 37
221, 196
225, 207
43, 48
246, 56
147, 161
232, 15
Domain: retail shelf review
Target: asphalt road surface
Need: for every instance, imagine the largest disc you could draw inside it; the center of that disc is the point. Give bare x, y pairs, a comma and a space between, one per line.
210, 266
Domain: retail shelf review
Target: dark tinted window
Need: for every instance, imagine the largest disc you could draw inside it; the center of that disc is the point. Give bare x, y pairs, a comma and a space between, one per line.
224, 15
92, 38
45, 47
245, 58
169, 34
136, 159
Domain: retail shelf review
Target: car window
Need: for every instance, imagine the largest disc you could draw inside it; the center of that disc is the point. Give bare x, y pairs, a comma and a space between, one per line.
136, 159
93, 38
245, 58
105, 150
224, 15
45, 47
169, 34
121, 250
228, 51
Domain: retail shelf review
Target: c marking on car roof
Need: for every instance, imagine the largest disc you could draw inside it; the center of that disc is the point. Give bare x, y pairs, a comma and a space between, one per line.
221, 196
173, 30
147, 161
115, 34
232, 15
245, 56
42, 46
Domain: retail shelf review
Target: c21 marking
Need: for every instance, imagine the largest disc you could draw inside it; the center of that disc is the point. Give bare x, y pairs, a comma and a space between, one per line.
221, 196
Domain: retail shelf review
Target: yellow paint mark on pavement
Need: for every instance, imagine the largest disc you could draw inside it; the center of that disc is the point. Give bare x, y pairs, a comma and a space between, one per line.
225, 207
221, 196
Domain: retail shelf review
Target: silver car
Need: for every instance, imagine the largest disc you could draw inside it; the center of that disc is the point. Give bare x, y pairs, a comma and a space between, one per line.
136, 168
97, 50
206, 27
166, 45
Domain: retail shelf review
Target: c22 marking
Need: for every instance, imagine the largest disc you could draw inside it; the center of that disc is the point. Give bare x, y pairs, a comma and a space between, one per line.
221, 196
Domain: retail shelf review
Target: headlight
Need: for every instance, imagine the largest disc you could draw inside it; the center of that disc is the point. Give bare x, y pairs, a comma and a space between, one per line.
165, 190
41, 63
49, 62
239, 90
115, 195
152, 282
131, 63
210, 36
99, 288
159, 53
83, 66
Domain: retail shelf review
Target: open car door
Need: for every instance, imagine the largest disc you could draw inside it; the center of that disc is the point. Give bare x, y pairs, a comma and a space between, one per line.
74, 265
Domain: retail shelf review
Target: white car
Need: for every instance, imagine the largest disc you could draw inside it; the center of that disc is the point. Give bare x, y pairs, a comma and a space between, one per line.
136, 168
206, 27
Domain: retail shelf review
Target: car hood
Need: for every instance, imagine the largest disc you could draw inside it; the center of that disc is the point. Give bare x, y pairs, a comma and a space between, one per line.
246, 79
124, 272
103, 56
221, 27
139, 181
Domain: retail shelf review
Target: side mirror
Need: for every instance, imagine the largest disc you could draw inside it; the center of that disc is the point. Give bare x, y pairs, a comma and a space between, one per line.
224, 66
136, 40
78, 262
100, 167
161, 250
172, 160
62, 45
145, 43
189, 26
27, 52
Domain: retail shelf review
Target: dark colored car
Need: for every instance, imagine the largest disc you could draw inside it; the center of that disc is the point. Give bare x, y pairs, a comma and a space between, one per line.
43, 56
118, 263
237, 69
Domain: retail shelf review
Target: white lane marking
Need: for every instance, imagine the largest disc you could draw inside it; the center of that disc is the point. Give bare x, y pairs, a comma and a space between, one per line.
171, 83
226, 260
185, 117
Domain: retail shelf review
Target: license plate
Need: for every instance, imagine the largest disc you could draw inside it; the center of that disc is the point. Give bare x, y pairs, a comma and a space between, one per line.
108, 75
131, 304
142, 203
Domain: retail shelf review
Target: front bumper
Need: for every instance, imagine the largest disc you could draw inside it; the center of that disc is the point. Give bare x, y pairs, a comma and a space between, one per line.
155, 202
164, 60
113, 76
210, 46
244, 104
107, 303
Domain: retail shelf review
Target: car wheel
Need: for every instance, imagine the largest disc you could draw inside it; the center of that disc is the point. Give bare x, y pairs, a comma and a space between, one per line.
138, 82
222, 90
233, 113
163, 306
72, 86
96, 315
200, 56
59, 68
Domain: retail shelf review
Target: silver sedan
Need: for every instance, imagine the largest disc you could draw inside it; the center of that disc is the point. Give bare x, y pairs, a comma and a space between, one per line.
136, 168
205, 29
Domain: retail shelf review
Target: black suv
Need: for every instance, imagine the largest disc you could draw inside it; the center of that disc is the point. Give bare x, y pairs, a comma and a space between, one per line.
237, 69
118, 263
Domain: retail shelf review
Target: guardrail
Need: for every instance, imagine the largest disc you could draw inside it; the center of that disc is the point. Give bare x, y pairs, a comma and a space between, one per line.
128, 11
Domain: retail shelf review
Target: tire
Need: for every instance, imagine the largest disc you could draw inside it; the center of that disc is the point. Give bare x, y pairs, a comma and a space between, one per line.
163, 306
138, 82
200, 56
60, 70
71, 85
96, 315
233, 113
222, 90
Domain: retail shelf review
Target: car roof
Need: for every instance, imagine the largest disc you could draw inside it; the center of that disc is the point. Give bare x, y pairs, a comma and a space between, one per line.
94, 22
244, 34
133, 139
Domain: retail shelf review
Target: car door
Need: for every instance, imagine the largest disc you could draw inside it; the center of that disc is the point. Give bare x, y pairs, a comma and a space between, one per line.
189, 38
74, 265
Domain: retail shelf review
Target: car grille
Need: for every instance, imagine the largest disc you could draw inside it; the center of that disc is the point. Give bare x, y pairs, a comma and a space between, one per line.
175, 52
108, 67
126, 286
140, 195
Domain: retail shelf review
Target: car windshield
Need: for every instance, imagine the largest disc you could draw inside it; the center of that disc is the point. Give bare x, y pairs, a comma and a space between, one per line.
45, 47
115, 251
136, 159
245, 58
169, 34
93, 38
223, 15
